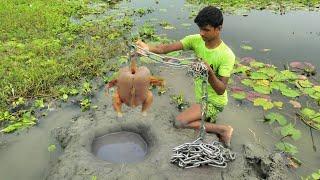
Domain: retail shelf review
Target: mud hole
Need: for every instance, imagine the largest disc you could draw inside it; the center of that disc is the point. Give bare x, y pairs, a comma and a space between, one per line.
77, 161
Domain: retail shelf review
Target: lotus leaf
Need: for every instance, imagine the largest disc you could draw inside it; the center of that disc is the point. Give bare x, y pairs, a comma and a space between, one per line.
287, 147
241, 69
270, 71
289, 92
278, 104
259, 75
239, 95
315, 96
285, 75
247, 82
271, 117
262, 82
262, 89
308, 91
289, 130
316, 88
308, 112
277, 85
303, 83
265, 103
256, 64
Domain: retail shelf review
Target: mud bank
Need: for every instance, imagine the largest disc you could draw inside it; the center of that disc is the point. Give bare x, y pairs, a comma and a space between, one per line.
77, 161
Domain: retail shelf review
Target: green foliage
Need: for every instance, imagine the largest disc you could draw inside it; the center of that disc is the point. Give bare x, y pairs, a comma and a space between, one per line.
265, 103
85, 104
272, 117
39, 103
52, 148
287, 147
313, 176
241, 7
239, 95
179, 101
86, 88
290, 130
311, 117
25, 121
43, 50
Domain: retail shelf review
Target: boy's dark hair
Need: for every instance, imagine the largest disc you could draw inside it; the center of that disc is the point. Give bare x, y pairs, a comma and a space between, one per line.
209, 15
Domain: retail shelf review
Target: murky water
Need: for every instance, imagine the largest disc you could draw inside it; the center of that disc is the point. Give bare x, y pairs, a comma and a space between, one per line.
26, 156
293, 36
120, 147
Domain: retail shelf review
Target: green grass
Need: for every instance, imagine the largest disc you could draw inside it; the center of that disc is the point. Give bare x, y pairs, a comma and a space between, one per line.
41, 50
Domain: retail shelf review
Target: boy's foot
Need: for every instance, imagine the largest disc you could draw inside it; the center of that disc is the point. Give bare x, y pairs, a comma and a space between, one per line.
119, 114
144, 114
225, 137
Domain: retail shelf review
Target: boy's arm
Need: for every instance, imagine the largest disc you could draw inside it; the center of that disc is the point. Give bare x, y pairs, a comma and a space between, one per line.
218, 84
161, 48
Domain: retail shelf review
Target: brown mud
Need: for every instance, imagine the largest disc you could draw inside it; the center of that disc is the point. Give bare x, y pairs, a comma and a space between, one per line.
253, 161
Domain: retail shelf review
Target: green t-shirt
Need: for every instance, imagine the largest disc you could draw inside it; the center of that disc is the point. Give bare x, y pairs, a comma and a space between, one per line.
221, 58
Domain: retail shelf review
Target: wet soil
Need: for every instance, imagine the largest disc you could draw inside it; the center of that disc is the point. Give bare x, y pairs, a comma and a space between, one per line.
77, 162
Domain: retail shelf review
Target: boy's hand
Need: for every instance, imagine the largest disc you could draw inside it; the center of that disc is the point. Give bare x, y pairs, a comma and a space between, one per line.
143, 46
210, 69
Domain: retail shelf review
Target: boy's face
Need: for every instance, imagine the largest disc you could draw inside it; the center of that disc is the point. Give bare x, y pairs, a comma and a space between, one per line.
209, 33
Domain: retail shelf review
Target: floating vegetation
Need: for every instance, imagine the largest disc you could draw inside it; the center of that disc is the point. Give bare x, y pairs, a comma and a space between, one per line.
267, 86
243, 7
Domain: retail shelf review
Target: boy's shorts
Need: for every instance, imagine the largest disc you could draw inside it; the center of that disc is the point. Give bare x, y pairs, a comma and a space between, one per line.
212, 112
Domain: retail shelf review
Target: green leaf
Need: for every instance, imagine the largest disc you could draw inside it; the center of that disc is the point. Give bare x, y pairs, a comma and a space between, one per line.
303, 83
262, 89
256, 64
241, 69
64, 97
289, 92
263, 102
287, 147
52, 148
277, 85
271, 117
74, 92
316, 88
39, 103
239, 95
258, 75
308, 112
278, 104
289, 130
285, 75
247, 82
270, 71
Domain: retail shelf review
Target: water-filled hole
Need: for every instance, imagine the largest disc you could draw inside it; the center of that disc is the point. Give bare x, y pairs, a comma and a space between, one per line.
120, 147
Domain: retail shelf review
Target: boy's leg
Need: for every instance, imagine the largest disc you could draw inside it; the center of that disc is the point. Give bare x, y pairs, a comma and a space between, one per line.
224, 132
191, 114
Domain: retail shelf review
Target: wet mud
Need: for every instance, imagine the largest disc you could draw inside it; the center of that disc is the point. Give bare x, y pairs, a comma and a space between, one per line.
78, 162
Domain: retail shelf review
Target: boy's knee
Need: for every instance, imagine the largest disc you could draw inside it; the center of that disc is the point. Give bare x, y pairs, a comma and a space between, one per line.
178, 123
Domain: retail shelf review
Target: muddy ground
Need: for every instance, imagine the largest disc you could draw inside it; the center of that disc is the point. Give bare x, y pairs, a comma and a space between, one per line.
78, 163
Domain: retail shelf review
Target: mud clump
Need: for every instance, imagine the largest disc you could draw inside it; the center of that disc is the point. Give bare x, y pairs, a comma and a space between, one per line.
263, 165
